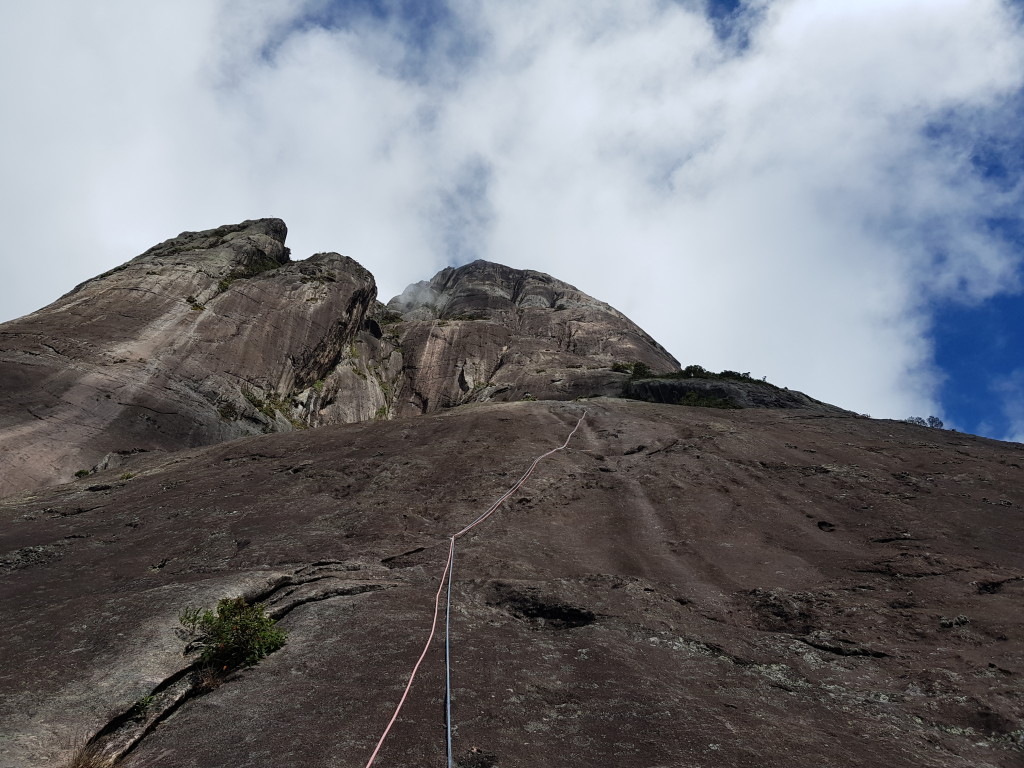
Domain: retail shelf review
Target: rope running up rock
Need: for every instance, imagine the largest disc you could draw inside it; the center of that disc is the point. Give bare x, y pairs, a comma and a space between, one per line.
446, 579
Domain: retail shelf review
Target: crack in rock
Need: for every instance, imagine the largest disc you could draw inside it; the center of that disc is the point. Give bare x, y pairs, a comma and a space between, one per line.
124, 732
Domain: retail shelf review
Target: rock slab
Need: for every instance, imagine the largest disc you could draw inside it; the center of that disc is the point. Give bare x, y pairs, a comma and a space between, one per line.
682, 586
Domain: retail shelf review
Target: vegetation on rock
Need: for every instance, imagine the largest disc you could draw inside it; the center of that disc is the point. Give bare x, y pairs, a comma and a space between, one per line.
235, 634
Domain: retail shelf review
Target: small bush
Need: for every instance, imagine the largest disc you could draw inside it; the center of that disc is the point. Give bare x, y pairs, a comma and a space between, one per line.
127, 475
735, 375
255, 400
641, 370
318, 385
228, 412
82, 473
637, 370
235, 634
700, 372
140, 707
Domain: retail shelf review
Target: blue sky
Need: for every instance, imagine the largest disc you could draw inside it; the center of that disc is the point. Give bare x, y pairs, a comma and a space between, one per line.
827, 194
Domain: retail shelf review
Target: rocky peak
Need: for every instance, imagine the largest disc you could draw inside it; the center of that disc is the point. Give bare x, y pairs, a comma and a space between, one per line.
259, 232
483, 287
206, 337
215, 335
222, 254
484, 332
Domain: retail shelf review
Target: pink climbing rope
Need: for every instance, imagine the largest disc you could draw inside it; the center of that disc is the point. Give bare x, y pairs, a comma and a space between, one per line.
444, 574
416, 667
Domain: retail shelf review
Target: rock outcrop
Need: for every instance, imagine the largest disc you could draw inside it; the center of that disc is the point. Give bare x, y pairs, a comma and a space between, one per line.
486, 332
681, 586
717, 391
216, 335
200, 339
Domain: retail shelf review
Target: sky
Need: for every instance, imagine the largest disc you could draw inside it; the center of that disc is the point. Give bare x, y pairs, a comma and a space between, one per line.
826, 194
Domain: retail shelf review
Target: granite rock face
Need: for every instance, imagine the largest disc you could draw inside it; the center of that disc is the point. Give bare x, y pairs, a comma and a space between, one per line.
487, 332
196, 341
216, 335
680, 587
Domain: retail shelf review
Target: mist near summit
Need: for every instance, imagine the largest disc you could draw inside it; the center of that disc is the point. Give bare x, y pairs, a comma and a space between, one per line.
799, 189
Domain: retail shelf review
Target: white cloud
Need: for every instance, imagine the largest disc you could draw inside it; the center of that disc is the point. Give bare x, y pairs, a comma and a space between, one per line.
1010, 391
782, 209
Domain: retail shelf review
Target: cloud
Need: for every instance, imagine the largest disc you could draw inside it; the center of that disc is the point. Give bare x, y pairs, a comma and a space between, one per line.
1010, 392
773, 210
786, 188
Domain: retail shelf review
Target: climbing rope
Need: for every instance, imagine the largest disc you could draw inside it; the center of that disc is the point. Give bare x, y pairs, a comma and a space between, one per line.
446, 578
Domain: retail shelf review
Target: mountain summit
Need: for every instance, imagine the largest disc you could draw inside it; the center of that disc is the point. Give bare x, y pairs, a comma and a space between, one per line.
215, 335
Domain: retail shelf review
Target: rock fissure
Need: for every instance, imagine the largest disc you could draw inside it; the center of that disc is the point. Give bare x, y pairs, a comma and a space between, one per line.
125, 732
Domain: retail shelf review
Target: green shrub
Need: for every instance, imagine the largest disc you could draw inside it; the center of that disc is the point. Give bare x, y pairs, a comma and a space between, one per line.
139, 708
228, 412
700, 372
255, 400
82, 473
637, 370
735, 375
641, 370
235, 634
